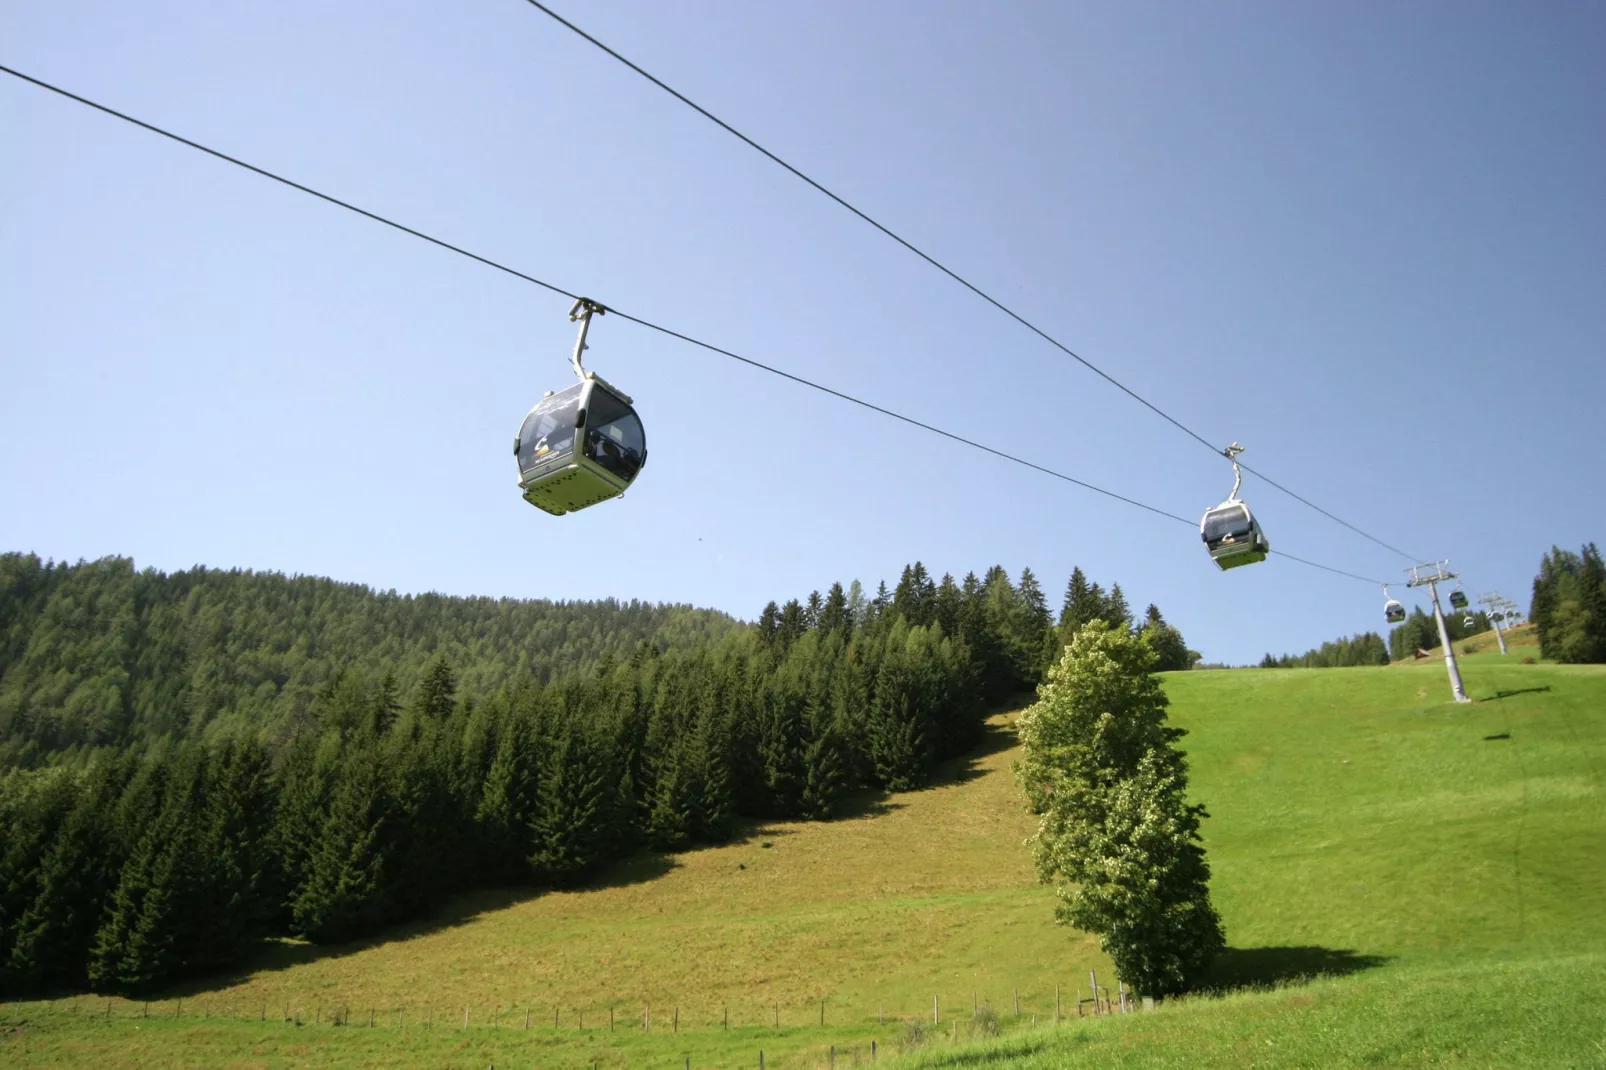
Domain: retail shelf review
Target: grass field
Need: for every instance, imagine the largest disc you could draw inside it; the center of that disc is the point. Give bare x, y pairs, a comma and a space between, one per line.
1443, 865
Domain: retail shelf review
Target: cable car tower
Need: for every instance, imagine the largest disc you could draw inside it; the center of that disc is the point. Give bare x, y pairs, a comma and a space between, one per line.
1430, 576
1501, 610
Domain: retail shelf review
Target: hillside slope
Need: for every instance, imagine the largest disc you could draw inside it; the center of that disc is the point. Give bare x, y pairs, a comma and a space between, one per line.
1437, 860
100, 653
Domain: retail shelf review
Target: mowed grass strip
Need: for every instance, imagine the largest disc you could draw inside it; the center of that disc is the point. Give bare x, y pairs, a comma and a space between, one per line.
1447, 858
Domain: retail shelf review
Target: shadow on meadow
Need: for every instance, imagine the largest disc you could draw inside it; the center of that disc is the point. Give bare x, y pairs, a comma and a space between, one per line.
1268, 967
283, 954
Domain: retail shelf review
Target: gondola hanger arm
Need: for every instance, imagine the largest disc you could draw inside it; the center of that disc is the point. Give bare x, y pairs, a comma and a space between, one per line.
584, 308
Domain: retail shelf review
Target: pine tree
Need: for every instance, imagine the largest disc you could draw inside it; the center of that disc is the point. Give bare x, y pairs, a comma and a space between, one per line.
571, 824
824, 769
811, 611
897, 729
343, 895
834, 613
385, 706
780, 749
1116, 611
230, 910
507, 801
436, 691
1102, 769
769, 624
54, 906
792, 624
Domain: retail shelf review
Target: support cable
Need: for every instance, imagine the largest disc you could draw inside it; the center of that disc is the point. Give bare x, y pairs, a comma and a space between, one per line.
459, 250
952, 274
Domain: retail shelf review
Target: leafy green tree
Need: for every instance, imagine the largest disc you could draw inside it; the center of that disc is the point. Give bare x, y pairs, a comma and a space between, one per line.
1116, 831
1170, 650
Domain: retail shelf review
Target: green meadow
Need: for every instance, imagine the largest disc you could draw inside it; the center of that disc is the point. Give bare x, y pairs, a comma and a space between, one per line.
1404, 881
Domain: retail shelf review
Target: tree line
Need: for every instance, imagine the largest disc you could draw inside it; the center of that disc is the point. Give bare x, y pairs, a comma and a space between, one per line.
1569, 606
126, 867
99, 653
1417, 632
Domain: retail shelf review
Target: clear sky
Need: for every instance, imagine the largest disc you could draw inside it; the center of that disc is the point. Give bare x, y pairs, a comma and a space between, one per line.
1367, 240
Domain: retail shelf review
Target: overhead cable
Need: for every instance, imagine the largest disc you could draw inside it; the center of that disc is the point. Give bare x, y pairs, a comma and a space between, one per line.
800, 380
946, 270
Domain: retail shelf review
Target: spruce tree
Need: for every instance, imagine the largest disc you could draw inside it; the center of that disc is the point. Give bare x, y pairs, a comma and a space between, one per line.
344, 892
1117, 833
570, 827
781, 745
437, 691
824, 769
1116, 611
507, 801
769, 624
834, 613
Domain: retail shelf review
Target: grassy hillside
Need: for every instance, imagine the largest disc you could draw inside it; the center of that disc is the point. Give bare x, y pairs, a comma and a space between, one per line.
1443, 863
1521, 642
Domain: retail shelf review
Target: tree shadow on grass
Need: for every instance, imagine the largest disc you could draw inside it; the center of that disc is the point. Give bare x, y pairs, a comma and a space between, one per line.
1268, 967
283, 954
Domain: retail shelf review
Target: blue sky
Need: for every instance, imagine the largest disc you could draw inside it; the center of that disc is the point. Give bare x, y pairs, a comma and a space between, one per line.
1366, 240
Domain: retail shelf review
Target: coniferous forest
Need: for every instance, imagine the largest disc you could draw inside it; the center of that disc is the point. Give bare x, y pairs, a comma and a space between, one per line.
199, 761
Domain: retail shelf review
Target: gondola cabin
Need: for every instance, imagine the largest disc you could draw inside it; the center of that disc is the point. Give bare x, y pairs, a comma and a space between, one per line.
1458, 599
1233, 536
1393, 612
579, 446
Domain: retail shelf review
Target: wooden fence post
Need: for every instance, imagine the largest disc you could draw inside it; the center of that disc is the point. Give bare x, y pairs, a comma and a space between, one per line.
526, 1016
1056, 1003
677, 1018
727, 1014
1017, 1003
1093, 982
610, 1018
822, 1019
936, 1011
777, 1020
465, 1017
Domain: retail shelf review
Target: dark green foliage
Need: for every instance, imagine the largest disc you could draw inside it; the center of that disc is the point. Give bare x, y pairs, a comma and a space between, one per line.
1367, 648
100, 653
1418, 632
571, 823
303, 758
1171, 653
343, 892
1569, 606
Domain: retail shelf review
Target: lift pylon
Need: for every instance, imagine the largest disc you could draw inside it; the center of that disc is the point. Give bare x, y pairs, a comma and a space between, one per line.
1430, 575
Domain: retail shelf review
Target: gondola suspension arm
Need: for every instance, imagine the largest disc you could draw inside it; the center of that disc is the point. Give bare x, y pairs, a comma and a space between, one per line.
584, 308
